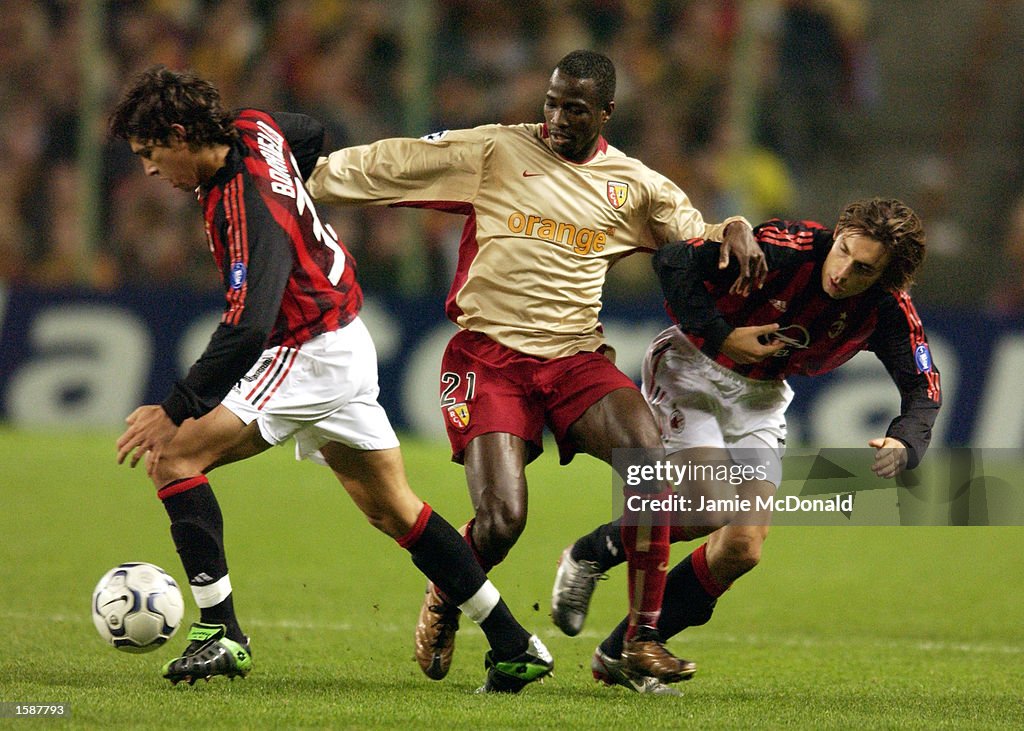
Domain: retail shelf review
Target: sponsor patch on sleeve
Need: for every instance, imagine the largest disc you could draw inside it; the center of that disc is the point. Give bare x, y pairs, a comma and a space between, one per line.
237, 276
923, 357
435, 136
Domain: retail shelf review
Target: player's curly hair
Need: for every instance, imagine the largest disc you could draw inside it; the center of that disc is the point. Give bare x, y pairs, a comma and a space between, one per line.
583, 64
159, 97
892, 223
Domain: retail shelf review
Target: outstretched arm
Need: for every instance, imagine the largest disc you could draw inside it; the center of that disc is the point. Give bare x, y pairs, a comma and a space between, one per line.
900, 343
440, 168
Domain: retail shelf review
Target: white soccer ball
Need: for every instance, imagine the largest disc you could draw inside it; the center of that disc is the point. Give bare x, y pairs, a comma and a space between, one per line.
137, 607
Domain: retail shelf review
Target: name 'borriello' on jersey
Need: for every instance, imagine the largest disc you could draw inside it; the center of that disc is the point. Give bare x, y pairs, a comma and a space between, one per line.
287, 278
541, 232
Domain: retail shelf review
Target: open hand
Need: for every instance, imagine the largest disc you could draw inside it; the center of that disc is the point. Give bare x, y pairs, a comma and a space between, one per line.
149, 431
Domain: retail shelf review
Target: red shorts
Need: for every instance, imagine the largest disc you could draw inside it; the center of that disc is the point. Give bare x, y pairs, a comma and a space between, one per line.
486, 387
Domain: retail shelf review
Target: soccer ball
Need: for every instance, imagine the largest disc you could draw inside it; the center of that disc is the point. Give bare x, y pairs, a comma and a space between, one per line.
137, 607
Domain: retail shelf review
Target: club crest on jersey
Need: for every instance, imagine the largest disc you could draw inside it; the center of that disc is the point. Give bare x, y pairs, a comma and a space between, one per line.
617, 193
923, 358
237, 275
458, 416
676, 421
837, 327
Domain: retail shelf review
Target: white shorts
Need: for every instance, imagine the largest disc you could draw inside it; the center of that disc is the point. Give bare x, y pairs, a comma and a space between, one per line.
699, 403
323, 391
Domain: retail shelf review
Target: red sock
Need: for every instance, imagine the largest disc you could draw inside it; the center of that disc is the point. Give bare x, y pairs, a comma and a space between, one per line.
647, 550
467, 533
700, 567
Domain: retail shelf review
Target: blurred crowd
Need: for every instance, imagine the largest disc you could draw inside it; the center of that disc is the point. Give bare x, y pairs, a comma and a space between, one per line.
707, 95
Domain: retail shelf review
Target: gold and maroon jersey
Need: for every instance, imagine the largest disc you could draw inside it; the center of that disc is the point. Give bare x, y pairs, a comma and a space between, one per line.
540, 233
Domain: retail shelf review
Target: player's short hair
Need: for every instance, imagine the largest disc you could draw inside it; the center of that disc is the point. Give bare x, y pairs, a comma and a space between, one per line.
583, 64
159, 97
892, 223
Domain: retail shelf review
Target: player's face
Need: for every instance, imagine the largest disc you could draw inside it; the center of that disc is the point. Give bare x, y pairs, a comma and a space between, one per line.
854, 264
173, 161
574, 116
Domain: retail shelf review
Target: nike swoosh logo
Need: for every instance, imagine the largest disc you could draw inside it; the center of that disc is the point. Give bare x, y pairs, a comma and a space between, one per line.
527, 174
118, 599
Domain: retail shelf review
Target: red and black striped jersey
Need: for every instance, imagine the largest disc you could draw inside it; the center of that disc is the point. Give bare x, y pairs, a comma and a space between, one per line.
825, 332
287, 278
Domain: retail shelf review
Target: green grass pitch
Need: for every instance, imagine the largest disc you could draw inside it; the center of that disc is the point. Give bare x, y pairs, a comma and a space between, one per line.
840, 627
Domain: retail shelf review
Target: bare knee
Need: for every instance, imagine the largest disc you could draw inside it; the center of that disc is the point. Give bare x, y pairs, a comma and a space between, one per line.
495, 474
733, 552
394, 517
496, 529
217, 438
175, 467
385, 520
376, 482
743, 552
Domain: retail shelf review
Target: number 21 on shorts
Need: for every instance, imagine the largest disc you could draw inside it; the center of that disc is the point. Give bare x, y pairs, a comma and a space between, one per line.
455, 400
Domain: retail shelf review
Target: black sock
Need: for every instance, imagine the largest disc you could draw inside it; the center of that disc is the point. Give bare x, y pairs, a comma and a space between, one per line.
224, 613
612, 644
446, 559
603, 545
197, 528
508, 638
686, 604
